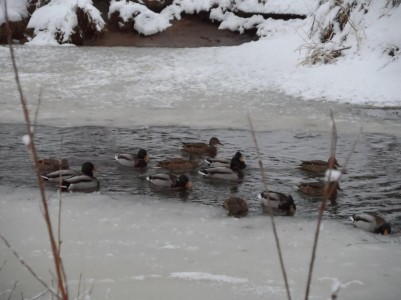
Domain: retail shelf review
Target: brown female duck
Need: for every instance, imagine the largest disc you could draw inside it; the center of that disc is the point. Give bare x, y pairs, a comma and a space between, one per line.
321, 189
319, 166
52, 164
178, 164
236, 206
202, 148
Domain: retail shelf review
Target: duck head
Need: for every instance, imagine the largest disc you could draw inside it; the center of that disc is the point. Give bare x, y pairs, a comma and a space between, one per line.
183, 181
88, 168
214, 141
143, 154
384, 229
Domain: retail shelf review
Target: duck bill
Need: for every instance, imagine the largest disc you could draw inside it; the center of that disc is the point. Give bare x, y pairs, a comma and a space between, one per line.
385, 232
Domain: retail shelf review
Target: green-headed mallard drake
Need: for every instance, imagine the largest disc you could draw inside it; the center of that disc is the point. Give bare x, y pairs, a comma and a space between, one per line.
84, 182
319, 166
140, 160
52, 164
176, 164
170, 181
232, 172
236, 206
215, 162
278, 201
371, 222
202, 148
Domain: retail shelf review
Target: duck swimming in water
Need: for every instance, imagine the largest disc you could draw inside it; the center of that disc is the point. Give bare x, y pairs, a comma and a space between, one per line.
233, 172
319, 166
202, 148
140, 160
371, 222
84, 182
170, 181
278, 201
215, 162
52, 164
180, 164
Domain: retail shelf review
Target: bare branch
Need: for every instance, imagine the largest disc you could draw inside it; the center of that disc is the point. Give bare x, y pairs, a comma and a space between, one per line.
28, 267
270, 210
12, 290
330, 189
32, 147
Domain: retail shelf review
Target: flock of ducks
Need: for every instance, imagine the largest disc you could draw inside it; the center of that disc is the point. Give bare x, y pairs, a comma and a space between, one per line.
59, 172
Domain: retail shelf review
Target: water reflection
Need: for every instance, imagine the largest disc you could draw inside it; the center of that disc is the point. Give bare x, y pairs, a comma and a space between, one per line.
371, 184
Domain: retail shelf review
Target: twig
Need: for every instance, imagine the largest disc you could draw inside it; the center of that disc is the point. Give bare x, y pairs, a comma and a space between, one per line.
39, 295
270, 210
2, 266
13, 289
31, 144
28, 267
326, 196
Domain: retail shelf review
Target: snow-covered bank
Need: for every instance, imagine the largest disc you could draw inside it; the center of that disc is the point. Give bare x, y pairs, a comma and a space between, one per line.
138, 247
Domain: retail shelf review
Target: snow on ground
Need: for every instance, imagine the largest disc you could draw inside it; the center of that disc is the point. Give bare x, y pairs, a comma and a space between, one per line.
139, 247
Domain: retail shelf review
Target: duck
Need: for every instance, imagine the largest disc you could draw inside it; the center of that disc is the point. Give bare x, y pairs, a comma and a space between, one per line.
320, 188
170, 181
52, 164
202, 148
84, 182
140, 160
319, 166
278, 201
236, 206
216, 162
233, 172
371, 222
182, 164
60, 175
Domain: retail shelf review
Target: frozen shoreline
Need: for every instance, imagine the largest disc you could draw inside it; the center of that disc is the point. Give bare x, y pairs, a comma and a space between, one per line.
127, 245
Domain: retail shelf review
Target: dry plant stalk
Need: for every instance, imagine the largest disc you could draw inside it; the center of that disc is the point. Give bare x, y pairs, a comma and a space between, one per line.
329, 190
58, 264
270, 210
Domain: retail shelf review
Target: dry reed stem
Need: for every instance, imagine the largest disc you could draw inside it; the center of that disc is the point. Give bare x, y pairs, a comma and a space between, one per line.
12, 290
57, 259
21, 260
326, 196
270, 210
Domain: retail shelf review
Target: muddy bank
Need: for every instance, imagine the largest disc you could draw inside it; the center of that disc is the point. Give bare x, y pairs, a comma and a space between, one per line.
191, 31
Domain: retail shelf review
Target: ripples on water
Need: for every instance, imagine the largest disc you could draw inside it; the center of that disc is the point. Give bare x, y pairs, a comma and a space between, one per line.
372, 182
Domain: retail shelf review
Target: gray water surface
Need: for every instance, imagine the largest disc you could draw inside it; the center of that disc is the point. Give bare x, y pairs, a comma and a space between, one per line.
372, 182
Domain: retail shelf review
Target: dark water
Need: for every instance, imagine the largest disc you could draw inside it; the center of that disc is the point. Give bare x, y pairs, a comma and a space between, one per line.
372, 182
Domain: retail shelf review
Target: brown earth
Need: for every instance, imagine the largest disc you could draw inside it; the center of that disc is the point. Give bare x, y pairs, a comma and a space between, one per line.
191, 31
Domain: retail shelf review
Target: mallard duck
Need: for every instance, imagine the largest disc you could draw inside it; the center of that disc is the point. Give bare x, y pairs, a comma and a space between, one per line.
320, 189
278, 201
319, 166
140, 160
84, 182
232, 172
178, 164
236, 206
170, 180
202, 148
52, 164
238, 162
371, 222
60, 175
